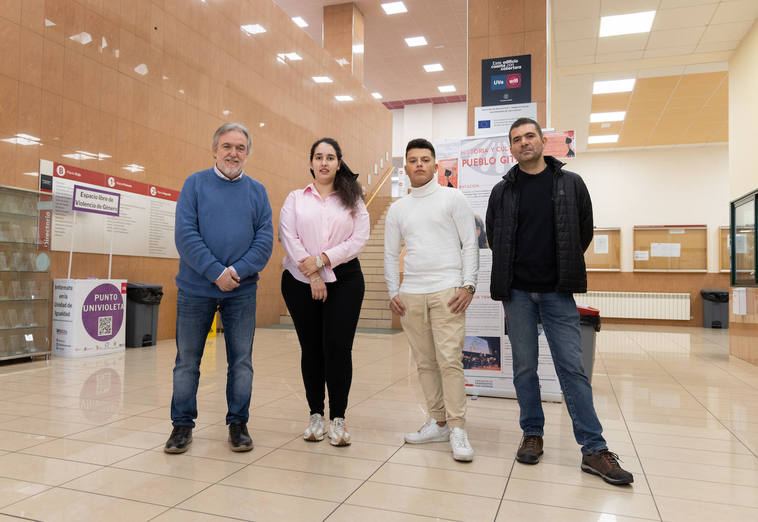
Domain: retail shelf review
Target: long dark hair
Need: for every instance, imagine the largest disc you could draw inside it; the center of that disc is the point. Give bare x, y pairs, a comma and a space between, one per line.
345, 181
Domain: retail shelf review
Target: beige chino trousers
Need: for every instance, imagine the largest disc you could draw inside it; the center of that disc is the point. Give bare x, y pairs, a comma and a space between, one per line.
436, 337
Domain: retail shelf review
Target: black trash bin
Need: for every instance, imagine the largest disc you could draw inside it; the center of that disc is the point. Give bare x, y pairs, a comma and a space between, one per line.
715, 308
142, 300
589, 322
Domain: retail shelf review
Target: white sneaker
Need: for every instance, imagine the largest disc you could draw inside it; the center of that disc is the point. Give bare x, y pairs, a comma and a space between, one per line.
429, 432
338, 435
462, 450
316, 429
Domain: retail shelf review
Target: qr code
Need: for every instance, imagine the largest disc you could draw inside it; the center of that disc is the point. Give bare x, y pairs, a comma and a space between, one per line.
104, 325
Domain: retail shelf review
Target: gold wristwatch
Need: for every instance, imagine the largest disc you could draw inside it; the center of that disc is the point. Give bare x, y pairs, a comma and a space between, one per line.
470, 288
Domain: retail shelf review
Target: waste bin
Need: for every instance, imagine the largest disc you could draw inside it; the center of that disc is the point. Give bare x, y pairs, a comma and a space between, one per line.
142, 300
715, 308
589, 322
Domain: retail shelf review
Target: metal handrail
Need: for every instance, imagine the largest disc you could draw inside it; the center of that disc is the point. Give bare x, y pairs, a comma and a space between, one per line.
387, 174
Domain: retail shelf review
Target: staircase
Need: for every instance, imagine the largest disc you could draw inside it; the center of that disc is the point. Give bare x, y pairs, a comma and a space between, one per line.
375, 312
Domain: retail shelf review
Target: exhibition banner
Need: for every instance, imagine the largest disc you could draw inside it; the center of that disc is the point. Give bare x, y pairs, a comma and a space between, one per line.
507, 80
497, 119
145, 222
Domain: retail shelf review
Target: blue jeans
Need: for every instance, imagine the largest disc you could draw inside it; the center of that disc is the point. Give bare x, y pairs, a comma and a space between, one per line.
560, 321
194, 315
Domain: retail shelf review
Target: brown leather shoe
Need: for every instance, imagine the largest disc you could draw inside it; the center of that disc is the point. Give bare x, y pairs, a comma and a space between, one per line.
605, 464
530, 450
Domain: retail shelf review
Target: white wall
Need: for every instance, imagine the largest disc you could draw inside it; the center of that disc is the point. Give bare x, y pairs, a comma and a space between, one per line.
433, 121
667, 186
743, 114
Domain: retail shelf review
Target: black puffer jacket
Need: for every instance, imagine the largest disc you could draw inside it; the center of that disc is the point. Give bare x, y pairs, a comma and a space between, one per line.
573, 230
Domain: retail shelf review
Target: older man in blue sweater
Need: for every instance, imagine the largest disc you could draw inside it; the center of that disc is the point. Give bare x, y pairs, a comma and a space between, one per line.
224, 237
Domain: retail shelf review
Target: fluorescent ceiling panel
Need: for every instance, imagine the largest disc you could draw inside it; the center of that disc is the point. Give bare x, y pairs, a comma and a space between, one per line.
446, 88
299, 21
632, 23
606, 138
394, 8
415, 41
343, 97
600, 117
433, 67
611, 86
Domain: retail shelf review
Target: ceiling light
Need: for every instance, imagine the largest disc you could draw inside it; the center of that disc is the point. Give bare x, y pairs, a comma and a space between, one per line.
261, 124
49, 23
35, 174
181, 91
83, 38
632, 23
299, 21
322, 79
415, 41
599, 117
605, 138
23, 139
253, 28
141, 69
226, 112
394, 8
376, 95
27, 136
343, 97
293, 57
433, 67
611, 86
133, 167
358, 49
446, 88
103, 43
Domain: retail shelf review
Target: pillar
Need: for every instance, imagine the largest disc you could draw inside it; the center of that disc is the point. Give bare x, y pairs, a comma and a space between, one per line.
344, 35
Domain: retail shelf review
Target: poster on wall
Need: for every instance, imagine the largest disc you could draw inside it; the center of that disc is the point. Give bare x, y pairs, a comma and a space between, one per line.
497, 119
507, 80
144, 225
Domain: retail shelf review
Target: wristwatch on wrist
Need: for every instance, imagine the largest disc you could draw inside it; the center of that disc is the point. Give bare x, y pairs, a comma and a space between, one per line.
470, 288
319, 262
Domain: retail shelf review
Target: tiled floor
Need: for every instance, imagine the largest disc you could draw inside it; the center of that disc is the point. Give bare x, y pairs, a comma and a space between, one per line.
82, 440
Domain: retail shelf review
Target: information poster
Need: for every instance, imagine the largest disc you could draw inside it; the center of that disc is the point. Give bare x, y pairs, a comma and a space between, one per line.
497, 119
88, 317
507, 80
487, 356
144, 225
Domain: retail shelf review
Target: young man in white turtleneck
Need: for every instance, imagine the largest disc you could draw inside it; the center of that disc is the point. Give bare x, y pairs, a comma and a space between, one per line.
441, 266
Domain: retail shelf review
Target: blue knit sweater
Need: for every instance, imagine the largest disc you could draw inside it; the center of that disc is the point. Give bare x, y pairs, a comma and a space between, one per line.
221, 223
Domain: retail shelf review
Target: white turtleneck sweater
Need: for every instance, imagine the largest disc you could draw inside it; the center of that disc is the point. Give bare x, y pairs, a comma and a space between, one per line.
439, 230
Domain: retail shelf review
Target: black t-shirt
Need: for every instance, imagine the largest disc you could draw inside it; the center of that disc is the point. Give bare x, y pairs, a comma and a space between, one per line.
535, 266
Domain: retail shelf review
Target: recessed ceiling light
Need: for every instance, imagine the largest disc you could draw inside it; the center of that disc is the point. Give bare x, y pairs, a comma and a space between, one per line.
605, 138
261, 124
133, 167
415, 41
433, 67
446, 88
299, 21
610, 86
293, 57
358, 49
253, 28
342, 61
632, 23
49, 23
141, 69
35, 174
322, 79
226, 112
599, 117
376, 95
343, 97
394, 8
83, 38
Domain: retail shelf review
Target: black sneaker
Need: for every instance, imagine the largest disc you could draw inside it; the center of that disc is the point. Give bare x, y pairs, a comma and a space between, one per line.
605, 464
530, 449
179, 440
239, 438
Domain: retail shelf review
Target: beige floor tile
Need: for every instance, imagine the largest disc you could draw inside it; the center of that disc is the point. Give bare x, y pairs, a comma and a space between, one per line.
220, 432
685, 510
182, 466
440, 480
714, 458
250, 504
746, 496
297, 483
360, 450
80, 415
122, 437
591, 499
522, 512
42, 470
336, 466
679, 441
15, 440
697, 471
348, 513
213, 449
135, 485
68, 505
14, 490
40, 426
437, 459
574, 476
82, 451
424, 502
183, 515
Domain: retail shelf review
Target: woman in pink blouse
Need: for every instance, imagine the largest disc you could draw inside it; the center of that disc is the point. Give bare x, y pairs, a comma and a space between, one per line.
323, 228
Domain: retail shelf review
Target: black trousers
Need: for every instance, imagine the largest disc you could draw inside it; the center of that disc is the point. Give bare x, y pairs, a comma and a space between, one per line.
326, 331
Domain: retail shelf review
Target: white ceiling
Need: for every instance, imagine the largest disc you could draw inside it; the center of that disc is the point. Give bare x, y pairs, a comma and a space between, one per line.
688, 36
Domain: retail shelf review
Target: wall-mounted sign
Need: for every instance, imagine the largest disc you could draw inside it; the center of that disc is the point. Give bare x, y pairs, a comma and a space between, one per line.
507, 80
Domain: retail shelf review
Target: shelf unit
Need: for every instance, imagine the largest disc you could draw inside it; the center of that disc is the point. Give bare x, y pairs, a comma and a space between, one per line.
24, 277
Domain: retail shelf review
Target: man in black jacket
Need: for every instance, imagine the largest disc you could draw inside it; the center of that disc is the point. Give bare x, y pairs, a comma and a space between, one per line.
539, 223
